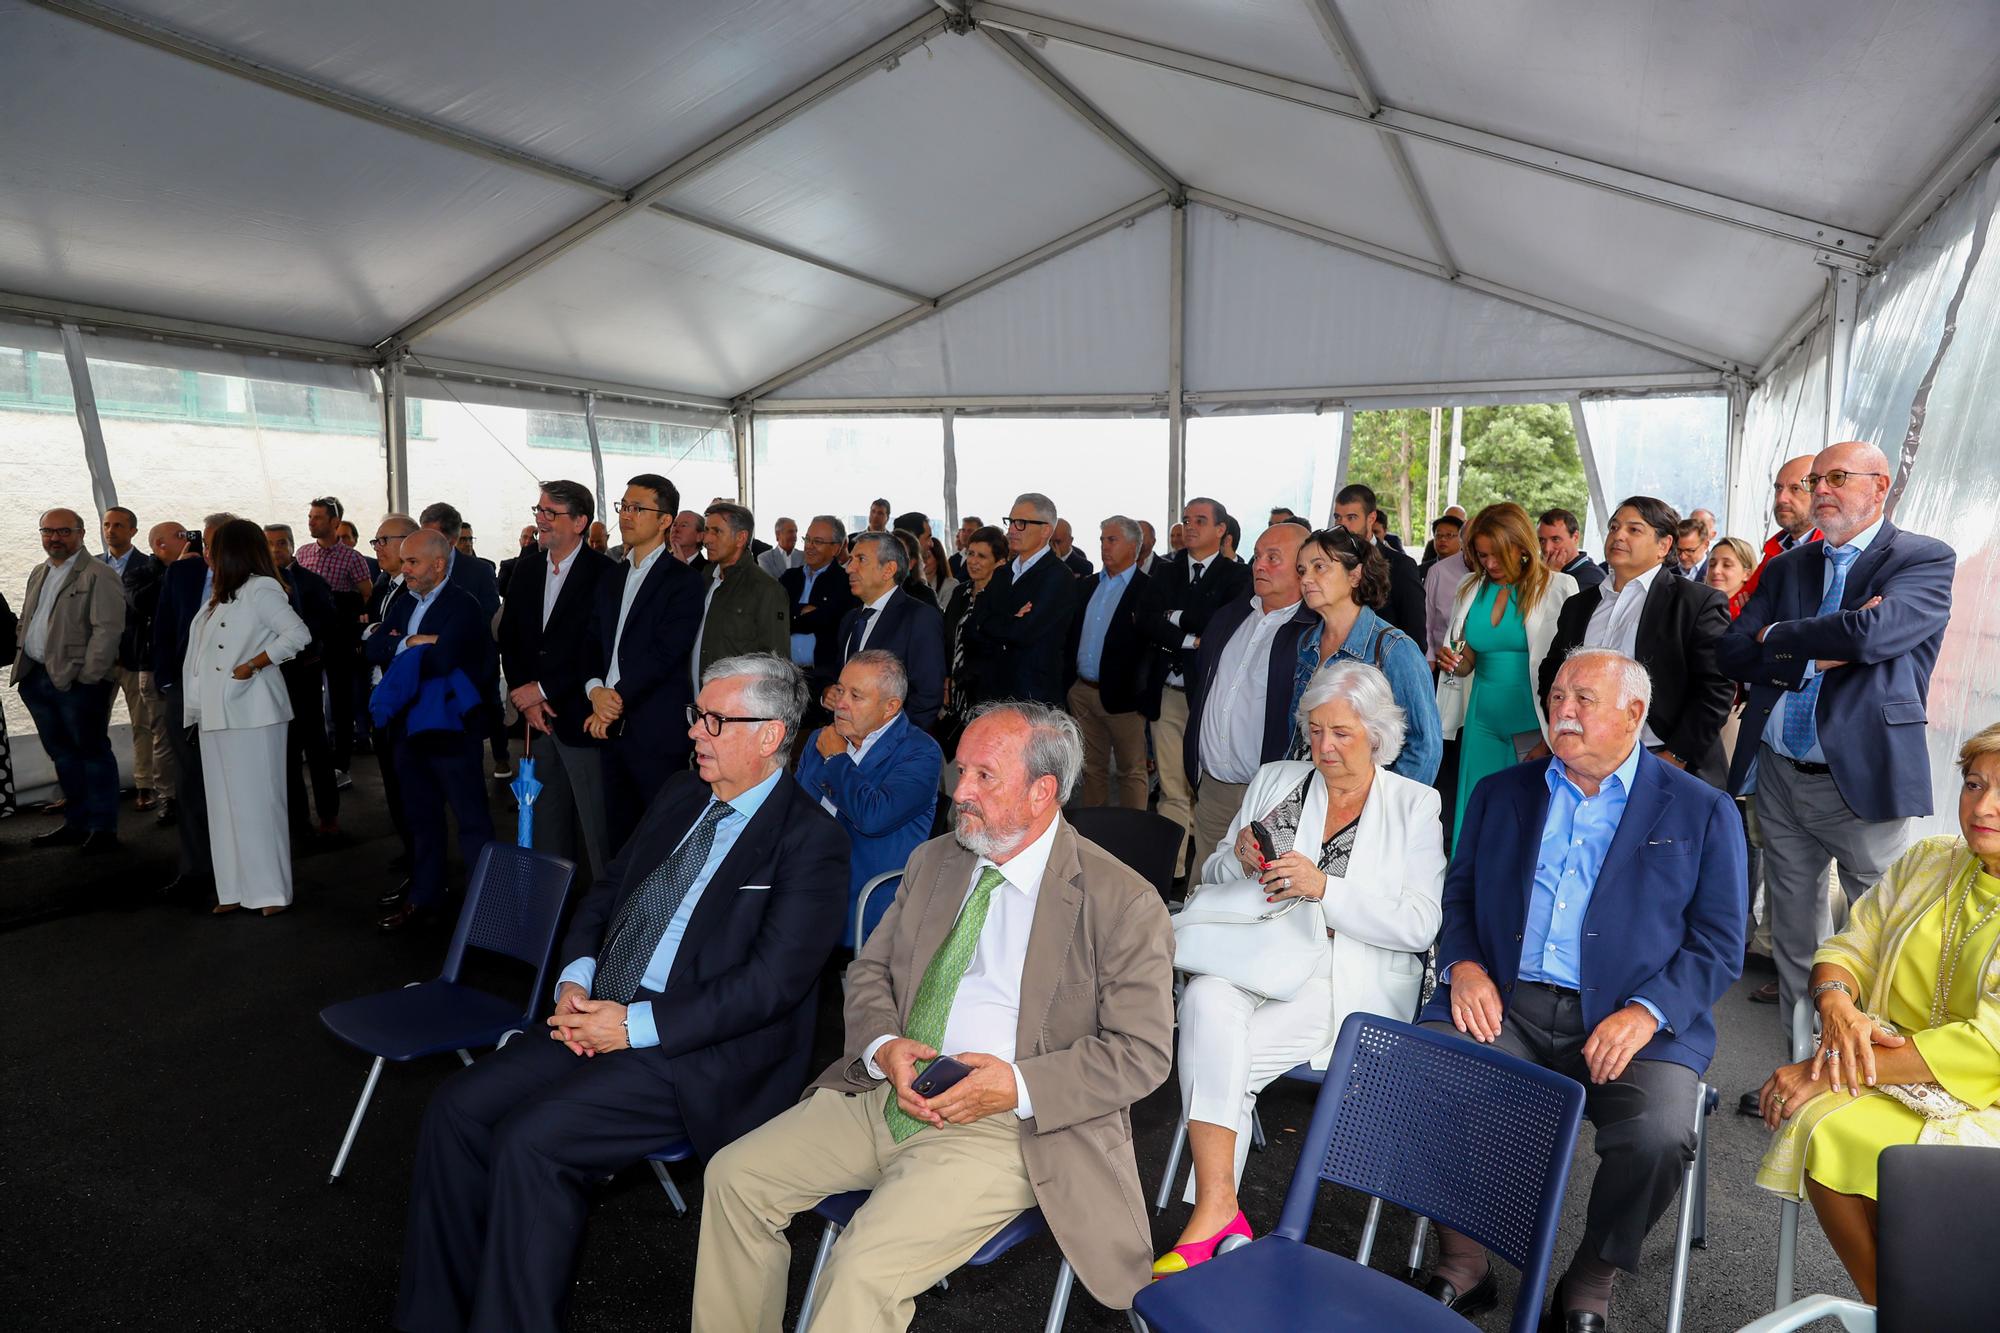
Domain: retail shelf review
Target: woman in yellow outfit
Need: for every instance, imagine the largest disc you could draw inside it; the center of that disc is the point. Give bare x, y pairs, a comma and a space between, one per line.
1909, 996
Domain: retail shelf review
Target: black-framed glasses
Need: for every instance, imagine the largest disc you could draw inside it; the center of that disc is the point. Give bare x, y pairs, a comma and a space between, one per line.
543, 511
1836, 478
379, 542
60, 532
713, 721
1019, 524
624, 507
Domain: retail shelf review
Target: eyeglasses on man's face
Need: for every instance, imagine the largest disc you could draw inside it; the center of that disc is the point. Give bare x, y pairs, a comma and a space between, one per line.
1023, 524
1836, 478
713, 721
60, 532
628, 507
543, 511
824, 541
379, 542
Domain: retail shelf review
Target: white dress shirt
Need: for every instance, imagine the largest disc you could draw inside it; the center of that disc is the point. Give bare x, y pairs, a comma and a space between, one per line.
1197, 570
36, 644
637, 568
553, 580
1615, 623
857, 753
1232, 720
868, 625
986, 1011
714, 573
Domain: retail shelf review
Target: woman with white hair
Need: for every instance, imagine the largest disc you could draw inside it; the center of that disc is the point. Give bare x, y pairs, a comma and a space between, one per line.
1362, 849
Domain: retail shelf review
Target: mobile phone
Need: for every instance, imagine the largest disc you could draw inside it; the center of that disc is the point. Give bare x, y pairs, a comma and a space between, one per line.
1266, 848
939, 1076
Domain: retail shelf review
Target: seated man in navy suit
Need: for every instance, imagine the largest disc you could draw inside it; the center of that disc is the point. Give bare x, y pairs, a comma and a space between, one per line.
890, 619
875, 772
438, 768
1592, 918
685, 1011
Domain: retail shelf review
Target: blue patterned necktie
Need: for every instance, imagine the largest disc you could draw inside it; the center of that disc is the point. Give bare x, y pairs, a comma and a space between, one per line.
637, 928
860, 628
1801, 719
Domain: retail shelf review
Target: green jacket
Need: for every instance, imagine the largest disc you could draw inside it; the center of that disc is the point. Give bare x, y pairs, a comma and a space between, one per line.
748, 613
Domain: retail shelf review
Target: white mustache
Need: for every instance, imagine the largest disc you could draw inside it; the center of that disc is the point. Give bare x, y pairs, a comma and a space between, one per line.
1566, 727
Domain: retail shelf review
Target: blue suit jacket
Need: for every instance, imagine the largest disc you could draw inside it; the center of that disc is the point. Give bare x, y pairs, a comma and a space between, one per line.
1871, 711
1665, 920
886, 802
477, 578
465, 644
654, 677
915, 633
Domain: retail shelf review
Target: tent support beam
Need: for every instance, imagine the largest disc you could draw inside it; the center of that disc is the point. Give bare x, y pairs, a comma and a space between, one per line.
1312, 231
1406, 124
1441, 392
1845, 291
103, 488
184, 330
780, 248
990, 278
645, 192
1017, 50
1176, 364
948, 433
446, 368
1140, 404
396, 435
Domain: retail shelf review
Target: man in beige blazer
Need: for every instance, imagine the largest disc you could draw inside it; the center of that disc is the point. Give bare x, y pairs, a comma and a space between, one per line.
1030, 955
71, 620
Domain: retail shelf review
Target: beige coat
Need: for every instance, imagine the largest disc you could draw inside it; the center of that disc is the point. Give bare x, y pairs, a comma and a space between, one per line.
1096, 1034
89, 616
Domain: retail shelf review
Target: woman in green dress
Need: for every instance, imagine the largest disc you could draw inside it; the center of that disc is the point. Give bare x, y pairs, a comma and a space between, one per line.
1502, 623
1909, 1003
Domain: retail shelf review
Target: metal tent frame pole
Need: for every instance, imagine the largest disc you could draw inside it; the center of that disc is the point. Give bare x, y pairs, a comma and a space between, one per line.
1176, 365
103, 489
948, 425
596, 452
396, 422
1600, 514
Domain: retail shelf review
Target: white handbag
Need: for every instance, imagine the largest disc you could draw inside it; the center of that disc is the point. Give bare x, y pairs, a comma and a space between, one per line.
1228, 930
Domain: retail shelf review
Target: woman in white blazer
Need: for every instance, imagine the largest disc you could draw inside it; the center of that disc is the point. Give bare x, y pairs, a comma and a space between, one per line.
1503, 620
241, 707
1366, 845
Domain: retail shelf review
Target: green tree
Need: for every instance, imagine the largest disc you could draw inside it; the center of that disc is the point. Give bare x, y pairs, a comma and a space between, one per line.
1520, 452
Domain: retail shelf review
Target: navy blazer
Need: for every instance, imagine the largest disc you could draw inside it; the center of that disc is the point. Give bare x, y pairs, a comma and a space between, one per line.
736, 1016
1872, 710
1024, 652
180, 603
885, 802
821, 617
476, 576
312, 601
1282, 670
1226, 583
1122, 666
556, 657
1665, 919
464, 642
915, 633
655, 678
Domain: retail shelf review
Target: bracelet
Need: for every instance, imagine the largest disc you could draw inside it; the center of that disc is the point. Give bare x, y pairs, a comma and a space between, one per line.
1826, 986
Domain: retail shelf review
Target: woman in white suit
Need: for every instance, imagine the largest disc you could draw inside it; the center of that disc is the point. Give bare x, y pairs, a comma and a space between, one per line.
242, 709
1366, 846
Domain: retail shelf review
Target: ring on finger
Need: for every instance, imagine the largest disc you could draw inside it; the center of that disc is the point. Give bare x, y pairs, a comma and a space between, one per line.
1833, 1055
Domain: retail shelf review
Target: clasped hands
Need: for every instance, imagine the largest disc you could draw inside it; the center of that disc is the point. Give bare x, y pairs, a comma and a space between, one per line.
1844, 1062
987, 1090
606, 707
528, 699
588, 1027
1476, 1010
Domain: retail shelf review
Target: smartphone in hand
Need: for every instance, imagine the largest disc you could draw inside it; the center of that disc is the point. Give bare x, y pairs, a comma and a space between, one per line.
939, 1076
1266, 847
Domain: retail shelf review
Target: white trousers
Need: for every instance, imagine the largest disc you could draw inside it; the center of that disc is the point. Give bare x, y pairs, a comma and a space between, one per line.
249, 836
1234, 1044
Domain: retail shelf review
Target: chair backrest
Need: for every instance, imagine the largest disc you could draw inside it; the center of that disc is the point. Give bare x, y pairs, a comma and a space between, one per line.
1940, 1208
1440, 1125
511, 908
1149, 843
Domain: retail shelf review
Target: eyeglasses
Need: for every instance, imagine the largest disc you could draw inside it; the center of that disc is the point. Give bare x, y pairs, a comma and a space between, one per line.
713, 721
60, 532
1836, 478
1019, 523
824, 541
623, 508
379, 542
543, 511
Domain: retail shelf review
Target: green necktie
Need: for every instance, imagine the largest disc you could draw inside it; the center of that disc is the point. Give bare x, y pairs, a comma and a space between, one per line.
940, 986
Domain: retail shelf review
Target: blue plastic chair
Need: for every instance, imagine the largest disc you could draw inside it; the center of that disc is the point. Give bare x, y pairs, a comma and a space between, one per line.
839, 1209
1430, 1122
677, 1151
511, 908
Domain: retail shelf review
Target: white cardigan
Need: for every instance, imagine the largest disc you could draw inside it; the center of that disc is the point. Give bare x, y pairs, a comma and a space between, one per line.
259, 619
1387, 909
1541, 628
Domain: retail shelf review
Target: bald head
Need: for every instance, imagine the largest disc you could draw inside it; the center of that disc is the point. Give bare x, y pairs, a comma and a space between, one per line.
425, 553
1844, 511
166, 543
1791, 498
62, 533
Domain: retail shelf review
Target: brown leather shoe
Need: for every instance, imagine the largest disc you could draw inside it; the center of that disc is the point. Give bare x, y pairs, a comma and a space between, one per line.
1765, 994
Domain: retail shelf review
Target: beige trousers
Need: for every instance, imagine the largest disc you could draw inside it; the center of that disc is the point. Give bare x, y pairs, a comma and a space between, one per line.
1169, 735
152, 761
1110, 741
1214, 811
936, 1198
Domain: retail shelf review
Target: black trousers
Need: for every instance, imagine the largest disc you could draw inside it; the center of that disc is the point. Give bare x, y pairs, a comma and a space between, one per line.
440, 771
509, 1151
190, 796
1644, 1120
342, 666
306, 750
392, 787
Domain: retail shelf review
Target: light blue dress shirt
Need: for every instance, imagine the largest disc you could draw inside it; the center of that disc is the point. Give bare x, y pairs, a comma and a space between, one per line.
1097, 623
423, 604
1576, 837
803, 644
118, 562
640, 1029
1774, 725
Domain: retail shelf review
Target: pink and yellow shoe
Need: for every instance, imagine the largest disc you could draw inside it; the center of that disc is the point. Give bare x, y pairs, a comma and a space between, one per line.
1183, 1257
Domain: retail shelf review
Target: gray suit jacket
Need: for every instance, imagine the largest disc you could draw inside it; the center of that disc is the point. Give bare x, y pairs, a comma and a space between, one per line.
84, 627
1096, 1034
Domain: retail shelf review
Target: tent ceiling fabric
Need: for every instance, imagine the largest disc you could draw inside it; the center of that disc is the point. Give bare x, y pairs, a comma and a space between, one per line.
151, 182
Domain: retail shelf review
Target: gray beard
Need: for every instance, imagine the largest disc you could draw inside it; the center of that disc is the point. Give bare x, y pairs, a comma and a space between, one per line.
991, 843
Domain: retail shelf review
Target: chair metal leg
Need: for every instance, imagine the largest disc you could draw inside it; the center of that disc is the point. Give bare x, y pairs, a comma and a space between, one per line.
1369, 1226
1788, 1249
1173, 1165
673, 1191
354, 1121
1059, 1303
812, 1282
1684, 1219
1700, 1240
1257, 1131
1418, 1235
1138, 1324
464, 1056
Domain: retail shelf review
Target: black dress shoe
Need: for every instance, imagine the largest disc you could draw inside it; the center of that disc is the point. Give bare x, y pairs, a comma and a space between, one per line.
1484, 1295
170, 812
395, 896
98, 844
1558, 1320
62, 835
406, 916
1747, 1104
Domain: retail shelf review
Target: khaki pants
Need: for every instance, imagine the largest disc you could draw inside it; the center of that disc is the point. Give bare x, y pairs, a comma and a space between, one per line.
1214, 811
1109, 739
936, 1198
152, 762
1169, 736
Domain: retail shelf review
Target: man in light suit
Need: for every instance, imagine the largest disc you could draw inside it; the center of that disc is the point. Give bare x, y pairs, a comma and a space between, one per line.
874, 772
684, 1011
71, 622
1591, 929
890, 619
1031, 956
1837, 646
785, 555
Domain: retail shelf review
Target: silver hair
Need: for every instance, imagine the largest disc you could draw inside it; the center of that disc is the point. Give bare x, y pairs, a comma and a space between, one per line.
1633, 682
895, 678
403, 521
285, 528
1365, 690
887, 550
773, 686
1055, 746
839, 528
216, 520
1127, 528
1045, 508
739, 520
